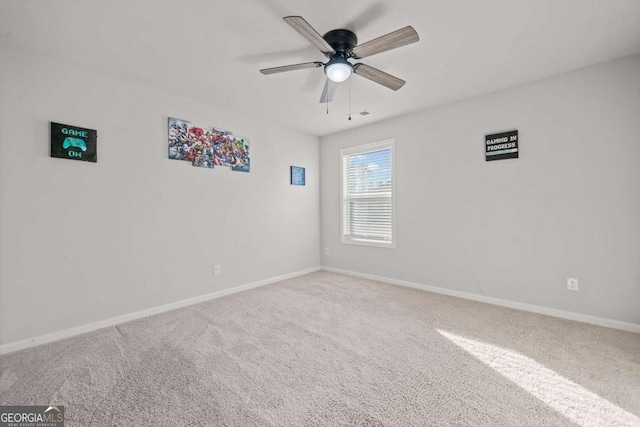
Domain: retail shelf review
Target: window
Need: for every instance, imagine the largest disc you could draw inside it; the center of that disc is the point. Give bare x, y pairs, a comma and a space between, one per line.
367, 194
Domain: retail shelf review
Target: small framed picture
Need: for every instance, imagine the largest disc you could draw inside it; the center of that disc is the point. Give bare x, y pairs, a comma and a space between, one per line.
297, 175
73, 142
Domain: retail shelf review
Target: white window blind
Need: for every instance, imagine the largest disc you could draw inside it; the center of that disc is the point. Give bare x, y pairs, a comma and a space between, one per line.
367, 194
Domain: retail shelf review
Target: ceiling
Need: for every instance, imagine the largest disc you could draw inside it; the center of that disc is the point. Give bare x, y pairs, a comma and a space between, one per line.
211, 50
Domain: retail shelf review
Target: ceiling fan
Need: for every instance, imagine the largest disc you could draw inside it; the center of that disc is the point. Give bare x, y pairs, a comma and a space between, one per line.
339, 46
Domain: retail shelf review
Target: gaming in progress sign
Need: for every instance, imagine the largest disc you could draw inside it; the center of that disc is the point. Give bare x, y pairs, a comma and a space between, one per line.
501, 146
72, 142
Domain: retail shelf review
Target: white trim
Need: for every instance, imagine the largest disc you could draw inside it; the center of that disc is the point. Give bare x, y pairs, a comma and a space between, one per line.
77, 330
585, 318
365, 242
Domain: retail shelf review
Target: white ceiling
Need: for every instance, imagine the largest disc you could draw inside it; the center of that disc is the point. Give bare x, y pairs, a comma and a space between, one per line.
211, 50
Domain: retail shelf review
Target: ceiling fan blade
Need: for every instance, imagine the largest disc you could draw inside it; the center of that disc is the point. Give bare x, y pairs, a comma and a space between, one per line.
291, 67
308, 32
378, 76
398, 38
328, 91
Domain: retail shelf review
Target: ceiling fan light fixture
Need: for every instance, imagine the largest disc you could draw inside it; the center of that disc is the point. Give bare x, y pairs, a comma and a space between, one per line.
338, 69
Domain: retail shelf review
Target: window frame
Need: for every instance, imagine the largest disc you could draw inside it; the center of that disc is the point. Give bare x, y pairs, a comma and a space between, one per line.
363, 149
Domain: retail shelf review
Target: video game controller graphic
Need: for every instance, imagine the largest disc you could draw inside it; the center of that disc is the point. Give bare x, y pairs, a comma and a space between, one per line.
74, 142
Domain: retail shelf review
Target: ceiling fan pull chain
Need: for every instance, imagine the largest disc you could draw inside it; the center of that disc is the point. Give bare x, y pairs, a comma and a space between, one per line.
349, 99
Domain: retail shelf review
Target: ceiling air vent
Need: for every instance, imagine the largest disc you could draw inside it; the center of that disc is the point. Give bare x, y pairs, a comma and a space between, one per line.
362, 113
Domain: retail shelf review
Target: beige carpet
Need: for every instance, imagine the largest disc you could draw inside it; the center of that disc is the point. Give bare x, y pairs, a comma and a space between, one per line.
325, 350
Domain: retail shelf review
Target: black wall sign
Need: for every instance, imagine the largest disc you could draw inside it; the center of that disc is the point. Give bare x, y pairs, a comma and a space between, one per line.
501, 146
72, 142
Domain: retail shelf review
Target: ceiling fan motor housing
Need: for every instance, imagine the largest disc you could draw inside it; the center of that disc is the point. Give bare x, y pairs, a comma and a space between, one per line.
342, 41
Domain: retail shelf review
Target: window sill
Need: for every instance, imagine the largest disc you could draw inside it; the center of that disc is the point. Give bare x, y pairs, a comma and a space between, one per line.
365, 242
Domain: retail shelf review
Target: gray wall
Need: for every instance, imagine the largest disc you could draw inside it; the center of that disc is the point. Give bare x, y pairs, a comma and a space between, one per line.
513, 229
84, 242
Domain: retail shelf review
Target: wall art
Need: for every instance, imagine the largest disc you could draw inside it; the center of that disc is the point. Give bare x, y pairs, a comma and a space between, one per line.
297, 175
75, 143
500, 146
208, 147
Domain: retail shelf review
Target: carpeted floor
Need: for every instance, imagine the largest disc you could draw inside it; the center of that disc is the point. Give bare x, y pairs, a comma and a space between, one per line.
326, 349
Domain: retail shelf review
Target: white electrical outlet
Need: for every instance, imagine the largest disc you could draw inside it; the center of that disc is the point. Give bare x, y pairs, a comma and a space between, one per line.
572, 284
326, 251
216, 270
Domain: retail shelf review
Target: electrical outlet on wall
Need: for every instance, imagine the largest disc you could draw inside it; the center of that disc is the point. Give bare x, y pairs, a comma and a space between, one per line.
326, 251
216, 270
572, 283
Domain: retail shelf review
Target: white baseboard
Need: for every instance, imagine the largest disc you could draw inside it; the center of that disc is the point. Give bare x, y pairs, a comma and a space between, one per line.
55, 336
585, 318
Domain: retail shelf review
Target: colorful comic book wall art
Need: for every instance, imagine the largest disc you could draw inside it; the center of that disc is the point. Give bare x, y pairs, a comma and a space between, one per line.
208, 148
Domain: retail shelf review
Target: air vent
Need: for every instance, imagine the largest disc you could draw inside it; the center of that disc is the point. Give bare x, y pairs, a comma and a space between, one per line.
362, 113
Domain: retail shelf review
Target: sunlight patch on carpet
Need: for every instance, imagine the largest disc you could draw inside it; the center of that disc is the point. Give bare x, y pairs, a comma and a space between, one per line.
568, 398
